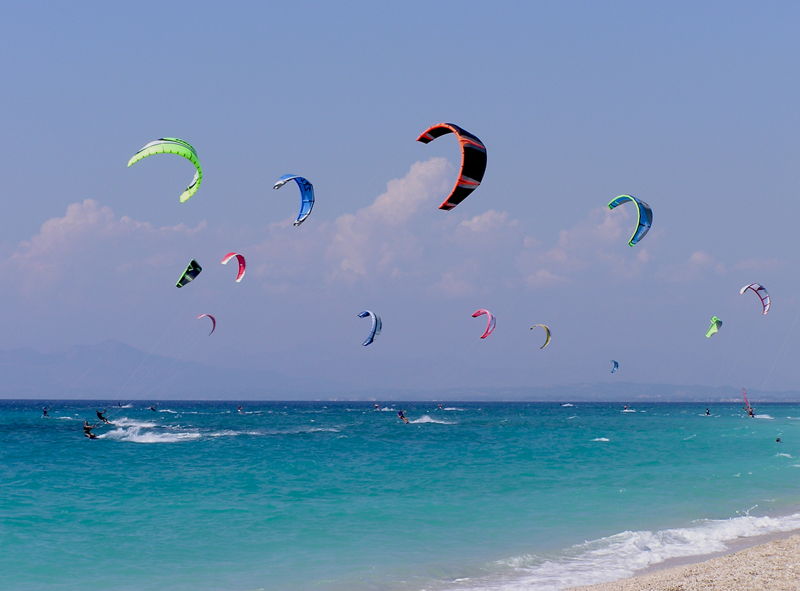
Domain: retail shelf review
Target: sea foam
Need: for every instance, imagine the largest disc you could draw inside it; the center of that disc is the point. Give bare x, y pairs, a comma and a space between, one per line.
622, 555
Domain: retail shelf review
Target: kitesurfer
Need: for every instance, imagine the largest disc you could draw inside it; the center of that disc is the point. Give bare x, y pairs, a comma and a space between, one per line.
44, 412
402, 415
625, 407
240, 410
751, 413
440, 407
101, 417
153, 408
377, 407
778, 440
708, 413
87, 430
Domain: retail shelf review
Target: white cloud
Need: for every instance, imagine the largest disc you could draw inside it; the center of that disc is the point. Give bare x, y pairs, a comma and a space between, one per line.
378, 237
486, 222
85, 228
699, 265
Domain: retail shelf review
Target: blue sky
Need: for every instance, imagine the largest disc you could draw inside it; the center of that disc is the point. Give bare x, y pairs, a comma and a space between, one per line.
690, 108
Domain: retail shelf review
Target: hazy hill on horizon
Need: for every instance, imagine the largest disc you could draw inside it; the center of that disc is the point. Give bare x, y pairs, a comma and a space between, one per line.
113, 370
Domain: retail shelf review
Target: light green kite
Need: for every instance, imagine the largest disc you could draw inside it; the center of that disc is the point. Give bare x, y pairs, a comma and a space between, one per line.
172, 145
716, 323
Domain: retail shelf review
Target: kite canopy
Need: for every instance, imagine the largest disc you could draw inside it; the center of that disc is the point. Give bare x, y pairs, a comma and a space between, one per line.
473, 161
242, 264
192, 271
213, 322
644, 212
762, 294
491, 321
172, 145
616, 366
548, 334
306, 194
376, 326
716, 324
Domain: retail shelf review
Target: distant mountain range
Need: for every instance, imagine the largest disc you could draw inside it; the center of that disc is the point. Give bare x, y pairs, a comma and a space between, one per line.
115, 371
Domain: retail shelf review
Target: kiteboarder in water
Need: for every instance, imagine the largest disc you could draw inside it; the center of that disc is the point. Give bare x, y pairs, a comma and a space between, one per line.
101, 417
153, 408
240, 410
377, 407
708, 413
87, 430
402, 416
44, 412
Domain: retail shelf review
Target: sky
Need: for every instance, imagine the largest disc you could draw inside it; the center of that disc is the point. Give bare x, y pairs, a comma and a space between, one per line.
690, 107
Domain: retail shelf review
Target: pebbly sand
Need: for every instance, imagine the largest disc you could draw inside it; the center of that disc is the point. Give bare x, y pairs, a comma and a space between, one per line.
774, 566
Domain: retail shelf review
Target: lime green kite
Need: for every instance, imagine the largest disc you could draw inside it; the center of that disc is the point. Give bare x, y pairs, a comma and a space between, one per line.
172, 145
716, 323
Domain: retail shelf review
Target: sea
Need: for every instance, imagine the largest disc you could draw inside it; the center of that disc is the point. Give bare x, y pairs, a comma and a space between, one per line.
336, 496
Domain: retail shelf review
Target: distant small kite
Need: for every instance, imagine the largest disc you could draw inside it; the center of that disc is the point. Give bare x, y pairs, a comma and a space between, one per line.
242, 265
616, 366
213, 322
644, 212
716, 324
547, 340
490, 322
192, 271
376, 326
762, 294
306, 195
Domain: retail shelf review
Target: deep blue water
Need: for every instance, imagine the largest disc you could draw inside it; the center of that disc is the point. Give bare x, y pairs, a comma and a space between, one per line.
336, 496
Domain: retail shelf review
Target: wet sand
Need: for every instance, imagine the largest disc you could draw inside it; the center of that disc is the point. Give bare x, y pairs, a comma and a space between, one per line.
774, 566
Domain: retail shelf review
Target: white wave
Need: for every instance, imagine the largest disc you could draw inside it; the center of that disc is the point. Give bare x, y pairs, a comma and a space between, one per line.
622, 555
690, 437
453, 408
388, 409
66, 419
172, 411
427, 419
784, 456
567, 404
126, 422
572, 417
125, 406
601, 439
137, 435
628, 410
764, 417
230, 433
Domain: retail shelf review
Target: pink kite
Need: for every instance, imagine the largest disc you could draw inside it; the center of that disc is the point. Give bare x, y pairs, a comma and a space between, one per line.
213, 322
242, 265
490, 324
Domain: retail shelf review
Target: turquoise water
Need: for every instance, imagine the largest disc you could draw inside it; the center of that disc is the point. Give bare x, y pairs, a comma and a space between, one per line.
336, 496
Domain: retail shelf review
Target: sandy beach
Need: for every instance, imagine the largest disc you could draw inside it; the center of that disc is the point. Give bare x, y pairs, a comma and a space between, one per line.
774, 566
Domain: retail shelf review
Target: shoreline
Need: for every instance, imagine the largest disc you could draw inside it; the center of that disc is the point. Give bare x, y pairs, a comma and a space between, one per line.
772, 563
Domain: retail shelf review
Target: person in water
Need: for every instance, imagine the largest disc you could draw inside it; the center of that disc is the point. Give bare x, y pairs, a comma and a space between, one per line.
625, 407
87, 430
153, 408
377, 407
44, 412
751, 413
101, 417
402, 415
240, 410
778, 440
440, 407
708, 414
